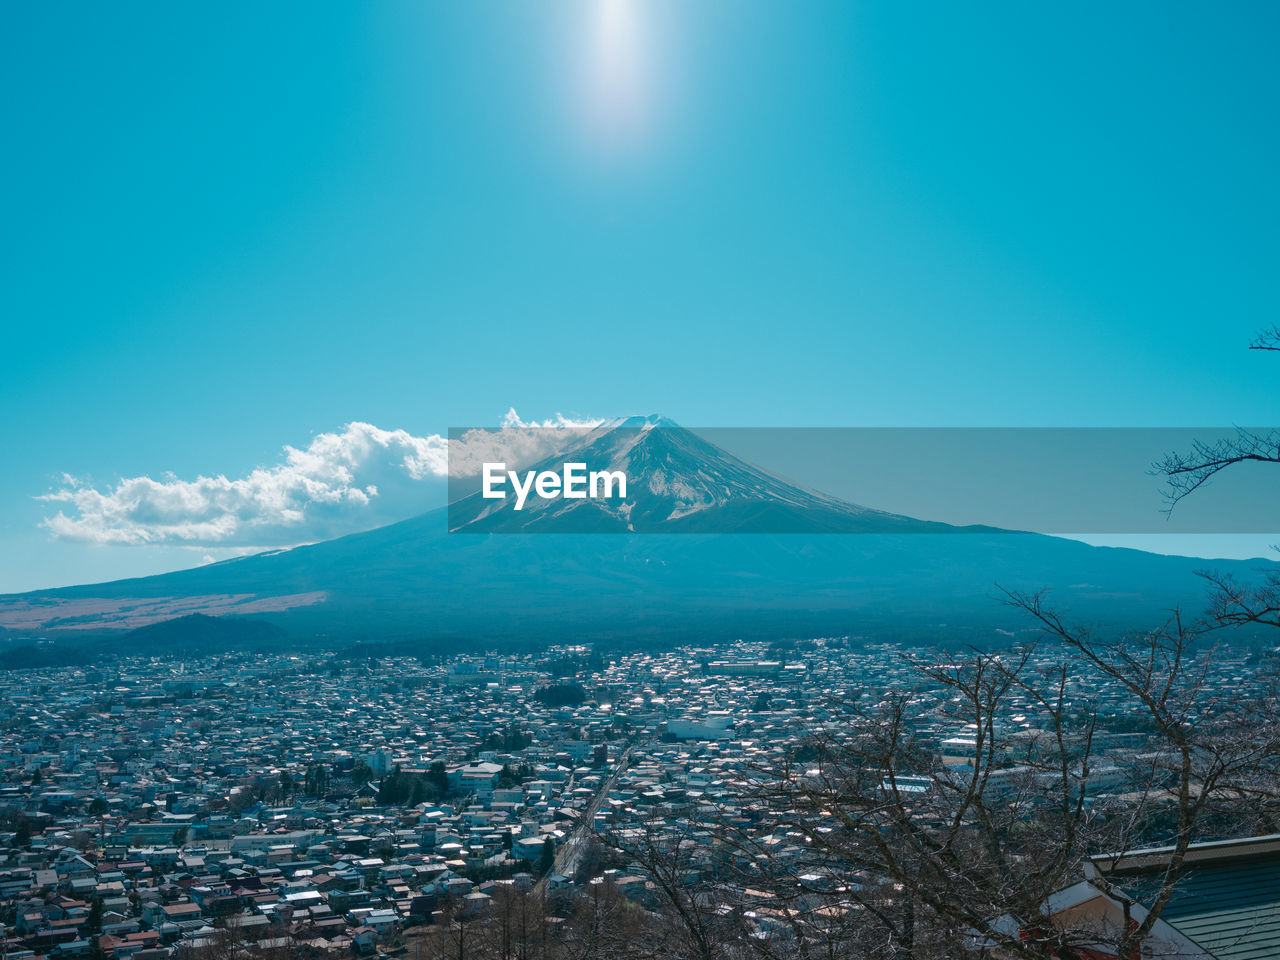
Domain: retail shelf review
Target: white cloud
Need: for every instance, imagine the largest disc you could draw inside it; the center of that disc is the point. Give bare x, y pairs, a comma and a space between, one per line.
517, 443
353, 479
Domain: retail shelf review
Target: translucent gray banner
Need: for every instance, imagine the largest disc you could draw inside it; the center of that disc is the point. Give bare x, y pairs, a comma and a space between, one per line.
652, 476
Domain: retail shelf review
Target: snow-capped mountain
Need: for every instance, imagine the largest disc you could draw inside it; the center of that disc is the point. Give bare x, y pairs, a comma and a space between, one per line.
677, 483
759, 560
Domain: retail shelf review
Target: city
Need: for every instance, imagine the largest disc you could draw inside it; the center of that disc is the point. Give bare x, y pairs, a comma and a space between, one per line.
338, 802
639, 480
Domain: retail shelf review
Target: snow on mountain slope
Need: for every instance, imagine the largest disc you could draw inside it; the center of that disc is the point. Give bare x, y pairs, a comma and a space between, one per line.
676, 483
414, 579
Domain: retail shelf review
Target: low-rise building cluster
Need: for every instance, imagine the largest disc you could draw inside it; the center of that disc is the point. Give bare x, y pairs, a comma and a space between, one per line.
332, 804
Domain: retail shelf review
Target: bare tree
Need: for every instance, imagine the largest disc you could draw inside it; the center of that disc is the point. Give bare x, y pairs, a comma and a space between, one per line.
518, 924
930, 839
1268, 339
230, 944
755, 875
1232, 602
1216, 757
602, 924
941, 820
952, 844
1185, 473
671, 850
523, 924
461, 934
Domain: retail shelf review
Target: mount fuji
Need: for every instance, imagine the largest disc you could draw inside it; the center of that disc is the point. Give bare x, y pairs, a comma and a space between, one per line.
705, 546
680, 484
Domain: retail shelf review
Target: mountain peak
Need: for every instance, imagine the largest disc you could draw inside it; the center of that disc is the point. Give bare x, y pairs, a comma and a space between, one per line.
652, 420
415, 579
676, 482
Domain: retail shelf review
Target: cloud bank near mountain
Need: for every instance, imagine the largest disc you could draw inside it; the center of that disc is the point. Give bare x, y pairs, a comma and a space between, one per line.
352, 479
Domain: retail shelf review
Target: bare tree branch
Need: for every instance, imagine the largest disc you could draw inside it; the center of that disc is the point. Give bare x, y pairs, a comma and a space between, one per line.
1268, 339
1186, 473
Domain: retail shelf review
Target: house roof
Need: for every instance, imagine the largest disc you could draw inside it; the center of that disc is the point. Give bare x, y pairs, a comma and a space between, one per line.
1227, 900
1231, 909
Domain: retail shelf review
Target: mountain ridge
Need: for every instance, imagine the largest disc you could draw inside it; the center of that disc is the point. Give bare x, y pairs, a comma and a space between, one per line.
414, 579
686, 485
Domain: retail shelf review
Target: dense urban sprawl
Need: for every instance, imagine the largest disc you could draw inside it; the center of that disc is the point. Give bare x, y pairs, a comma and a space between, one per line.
326, 804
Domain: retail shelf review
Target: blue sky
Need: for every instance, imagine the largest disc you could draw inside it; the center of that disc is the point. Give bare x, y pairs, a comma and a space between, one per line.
231, 230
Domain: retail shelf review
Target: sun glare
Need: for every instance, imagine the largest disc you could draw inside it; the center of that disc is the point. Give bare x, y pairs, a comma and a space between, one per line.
616, 82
